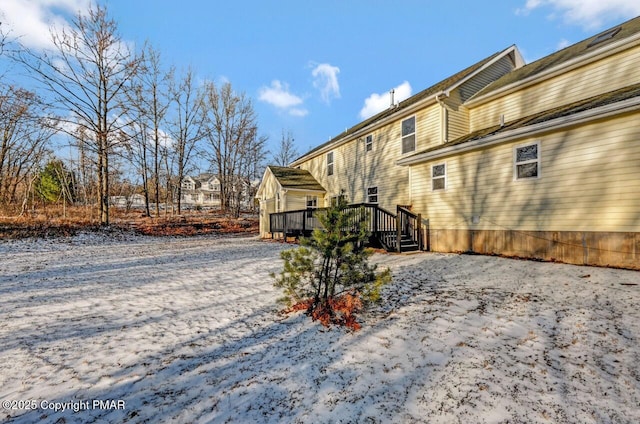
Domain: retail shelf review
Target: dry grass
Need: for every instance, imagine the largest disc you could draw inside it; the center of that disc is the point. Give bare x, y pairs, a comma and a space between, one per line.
55, 222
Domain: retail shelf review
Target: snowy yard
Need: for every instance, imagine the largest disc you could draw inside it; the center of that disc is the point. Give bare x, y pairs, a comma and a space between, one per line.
185, 330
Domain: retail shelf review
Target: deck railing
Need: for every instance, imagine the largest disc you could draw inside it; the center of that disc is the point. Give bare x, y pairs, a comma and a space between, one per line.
388, 229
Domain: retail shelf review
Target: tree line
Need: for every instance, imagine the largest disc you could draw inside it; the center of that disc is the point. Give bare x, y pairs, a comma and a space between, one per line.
117, 108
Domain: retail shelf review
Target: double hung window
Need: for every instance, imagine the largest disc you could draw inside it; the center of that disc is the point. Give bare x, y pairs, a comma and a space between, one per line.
526, 161
409, 135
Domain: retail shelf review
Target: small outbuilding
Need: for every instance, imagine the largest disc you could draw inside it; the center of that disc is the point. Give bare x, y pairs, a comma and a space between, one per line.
285, 189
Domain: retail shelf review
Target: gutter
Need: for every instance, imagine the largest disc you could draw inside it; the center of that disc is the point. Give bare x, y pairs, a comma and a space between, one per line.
618, 108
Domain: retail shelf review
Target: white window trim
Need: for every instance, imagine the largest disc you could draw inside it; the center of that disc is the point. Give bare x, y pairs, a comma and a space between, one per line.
377, 195
311, 197
415, 135
444, 177
368, 141
538, 160
332, 163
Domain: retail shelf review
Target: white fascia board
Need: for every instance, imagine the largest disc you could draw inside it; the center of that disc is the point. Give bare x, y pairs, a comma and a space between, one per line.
261, 186
499, 57
302, 190
628, 105
557, 70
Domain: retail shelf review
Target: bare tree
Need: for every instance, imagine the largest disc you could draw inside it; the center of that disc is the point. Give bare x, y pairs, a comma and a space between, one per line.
149, 99
3, 39
286, 152
24, 134
137, 144
86, 74
234, 145
186, 128
251, 170
85, 167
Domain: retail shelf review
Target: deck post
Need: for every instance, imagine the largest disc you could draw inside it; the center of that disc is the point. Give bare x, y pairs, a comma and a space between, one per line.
398, 230
376, 221
284, 227
304, 222
419, 219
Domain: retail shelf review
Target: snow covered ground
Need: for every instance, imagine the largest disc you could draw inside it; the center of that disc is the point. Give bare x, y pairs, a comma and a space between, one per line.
136, 329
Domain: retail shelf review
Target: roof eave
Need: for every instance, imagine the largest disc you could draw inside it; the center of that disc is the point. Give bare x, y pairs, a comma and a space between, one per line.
285, 188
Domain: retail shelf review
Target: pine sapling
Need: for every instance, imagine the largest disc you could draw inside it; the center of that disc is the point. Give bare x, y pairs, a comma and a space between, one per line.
329, 275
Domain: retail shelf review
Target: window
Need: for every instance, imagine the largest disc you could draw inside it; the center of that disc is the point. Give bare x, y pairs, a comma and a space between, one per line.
439, 177
372, 195
312, 202
409, 135
330, 163
527, 161
368, 143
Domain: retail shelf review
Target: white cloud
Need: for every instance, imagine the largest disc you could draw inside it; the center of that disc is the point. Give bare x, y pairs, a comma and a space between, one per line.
325, 79
378, 102
298, 112
278, 95
31, 20
591, 14
562, 44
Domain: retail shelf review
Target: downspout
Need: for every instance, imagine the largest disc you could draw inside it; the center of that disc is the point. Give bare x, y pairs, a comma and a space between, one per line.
445, 115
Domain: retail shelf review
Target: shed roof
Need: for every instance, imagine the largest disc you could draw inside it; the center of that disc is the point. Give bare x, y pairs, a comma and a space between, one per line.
294, 178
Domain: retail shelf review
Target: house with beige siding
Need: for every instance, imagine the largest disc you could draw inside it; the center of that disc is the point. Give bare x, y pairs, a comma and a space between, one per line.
537, 160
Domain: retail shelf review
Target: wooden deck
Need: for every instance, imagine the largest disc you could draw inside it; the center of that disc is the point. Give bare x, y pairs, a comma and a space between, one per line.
400, 232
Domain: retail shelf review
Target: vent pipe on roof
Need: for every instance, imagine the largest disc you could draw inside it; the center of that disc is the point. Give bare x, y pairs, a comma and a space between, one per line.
391, 93
501, 120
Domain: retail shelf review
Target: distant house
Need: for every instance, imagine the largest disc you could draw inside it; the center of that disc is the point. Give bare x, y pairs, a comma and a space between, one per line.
539, 160
132, 201
205, 190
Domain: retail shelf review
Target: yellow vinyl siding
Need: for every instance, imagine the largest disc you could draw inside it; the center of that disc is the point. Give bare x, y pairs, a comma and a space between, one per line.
295, 201
355, 169
458, 124
428, 128
589, 182
614, 72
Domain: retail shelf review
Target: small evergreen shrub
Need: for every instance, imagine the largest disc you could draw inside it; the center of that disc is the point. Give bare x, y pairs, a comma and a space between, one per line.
329, 276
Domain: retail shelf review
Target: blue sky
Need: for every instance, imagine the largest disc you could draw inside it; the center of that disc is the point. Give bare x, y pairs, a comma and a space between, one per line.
315, 68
